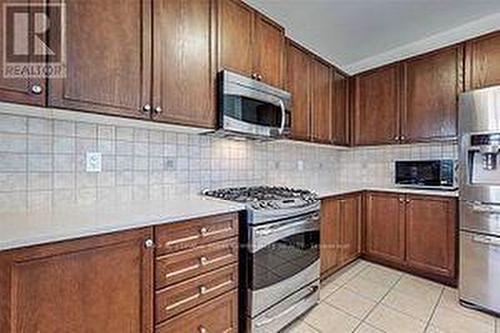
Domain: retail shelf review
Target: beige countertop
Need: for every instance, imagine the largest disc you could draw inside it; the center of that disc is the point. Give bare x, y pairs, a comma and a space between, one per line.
325, 192
33, 228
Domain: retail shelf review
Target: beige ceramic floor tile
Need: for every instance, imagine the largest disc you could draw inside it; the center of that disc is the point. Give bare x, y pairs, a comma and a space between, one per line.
418, 287
450, 300
433, 329
347, 273
392, 321
367, 288
498, 325
350, 302
328, 319
327, 288
365, 328
381, 275
452, 321
417, 306
299, 327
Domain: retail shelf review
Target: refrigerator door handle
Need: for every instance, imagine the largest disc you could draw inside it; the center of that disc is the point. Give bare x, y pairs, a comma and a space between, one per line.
488, 240
478, 207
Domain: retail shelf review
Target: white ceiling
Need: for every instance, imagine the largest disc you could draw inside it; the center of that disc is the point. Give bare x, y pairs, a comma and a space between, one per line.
361, 34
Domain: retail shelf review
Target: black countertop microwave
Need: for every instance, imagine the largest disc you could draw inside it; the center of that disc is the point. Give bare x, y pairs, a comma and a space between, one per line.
433, 174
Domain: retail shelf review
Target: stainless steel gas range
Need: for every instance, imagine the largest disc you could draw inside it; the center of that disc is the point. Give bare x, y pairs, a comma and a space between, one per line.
279, 273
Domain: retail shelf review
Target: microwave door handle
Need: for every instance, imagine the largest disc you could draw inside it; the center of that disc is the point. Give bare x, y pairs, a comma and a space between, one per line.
283, 116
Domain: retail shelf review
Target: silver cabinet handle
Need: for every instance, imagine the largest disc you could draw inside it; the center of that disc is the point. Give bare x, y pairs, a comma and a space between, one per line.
146, 108
283, 116
396, 138
254, 76
149, 243
259, 77
36, 89
202, 329
158, 109
402, 137
203, 231
203, 290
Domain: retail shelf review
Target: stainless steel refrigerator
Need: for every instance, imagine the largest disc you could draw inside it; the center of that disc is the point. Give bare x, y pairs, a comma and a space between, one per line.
479, 139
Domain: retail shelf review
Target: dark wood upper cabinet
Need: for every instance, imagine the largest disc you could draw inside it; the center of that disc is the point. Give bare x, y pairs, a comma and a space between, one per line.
385, 227
431, 234
351, 227
108, 58
340, 109
377, 105
431, 86
183, 65
330, 235
30, 91
96, 284
235, 32
321, 112
269, 45
250, 43
482, 65
298, 65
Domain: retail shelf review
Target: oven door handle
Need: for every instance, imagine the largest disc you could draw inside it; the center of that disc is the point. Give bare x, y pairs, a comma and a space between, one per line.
312, 290
270, 230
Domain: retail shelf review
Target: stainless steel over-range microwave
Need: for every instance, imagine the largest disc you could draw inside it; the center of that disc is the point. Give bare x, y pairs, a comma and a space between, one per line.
251, 108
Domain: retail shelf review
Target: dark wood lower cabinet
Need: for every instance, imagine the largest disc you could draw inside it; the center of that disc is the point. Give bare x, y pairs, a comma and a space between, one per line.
384, 227
340, 235
431, 230
107, 283
415, 233
97, 284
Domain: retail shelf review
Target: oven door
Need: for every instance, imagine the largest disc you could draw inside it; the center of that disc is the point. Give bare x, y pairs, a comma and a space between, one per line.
283, 257
253, 108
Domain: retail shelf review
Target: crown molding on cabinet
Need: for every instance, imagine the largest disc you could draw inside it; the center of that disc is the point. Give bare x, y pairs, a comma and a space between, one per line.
470, 30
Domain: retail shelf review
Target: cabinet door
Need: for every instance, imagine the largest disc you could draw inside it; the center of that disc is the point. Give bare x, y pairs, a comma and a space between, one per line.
431, 234
377, 104
298, 83
330, 234
431, 86
108, 58
19, 90
269, 48
351, 227
340, 109
321, 101
98, 284
385, 227
235, 30
184, 75
483, 61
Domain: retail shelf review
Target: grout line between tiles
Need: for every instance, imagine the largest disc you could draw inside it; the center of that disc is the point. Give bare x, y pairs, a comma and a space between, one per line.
434, 310
363, 320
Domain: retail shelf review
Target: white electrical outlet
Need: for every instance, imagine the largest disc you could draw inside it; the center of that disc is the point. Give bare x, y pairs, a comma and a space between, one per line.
94, 162
300, 165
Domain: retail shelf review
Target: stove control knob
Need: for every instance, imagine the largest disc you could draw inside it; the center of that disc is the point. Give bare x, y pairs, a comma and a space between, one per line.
263, 204
255, 206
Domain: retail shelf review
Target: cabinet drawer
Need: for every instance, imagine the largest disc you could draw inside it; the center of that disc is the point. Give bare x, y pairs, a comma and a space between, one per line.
218, 315
178, 266
185, 295
189, 234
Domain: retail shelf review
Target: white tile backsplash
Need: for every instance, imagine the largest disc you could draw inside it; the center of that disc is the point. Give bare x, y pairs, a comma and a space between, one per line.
42, 163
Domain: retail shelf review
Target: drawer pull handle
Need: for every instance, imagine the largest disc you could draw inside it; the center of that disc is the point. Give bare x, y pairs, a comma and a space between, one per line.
202, 291
183, 270
203, 233
202, 330
204, 261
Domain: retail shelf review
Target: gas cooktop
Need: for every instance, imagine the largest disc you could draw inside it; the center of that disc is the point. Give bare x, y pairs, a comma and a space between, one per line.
268, 202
